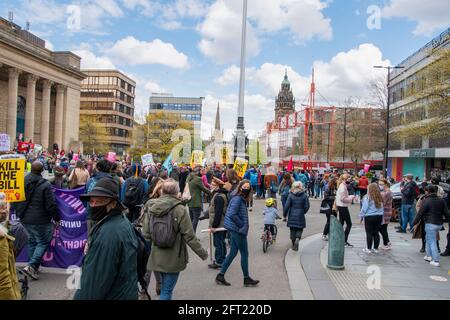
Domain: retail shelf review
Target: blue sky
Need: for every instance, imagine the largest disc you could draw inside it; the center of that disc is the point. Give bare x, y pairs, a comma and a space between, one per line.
191, 47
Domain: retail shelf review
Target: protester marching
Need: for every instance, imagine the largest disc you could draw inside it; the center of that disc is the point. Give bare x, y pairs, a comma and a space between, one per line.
121, 221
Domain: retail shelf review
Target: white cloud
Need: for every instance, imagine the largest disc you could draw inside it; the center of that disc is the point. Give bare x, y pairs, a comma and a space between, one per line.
130, 51
145, 7
110, 7
431, 16
221, 29
90, 61
231, 75
221, 35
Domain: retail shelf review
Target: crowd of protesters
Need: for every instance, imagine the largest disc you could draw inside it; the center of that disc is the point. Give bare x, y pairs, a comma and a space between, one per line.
129, 206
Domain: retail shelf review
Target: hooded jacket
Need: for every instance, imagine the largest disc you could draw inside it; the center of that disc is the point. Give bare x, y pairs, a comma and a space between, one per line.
432, 210
110, 267
175, 259
40, 208
9, 284
297, 205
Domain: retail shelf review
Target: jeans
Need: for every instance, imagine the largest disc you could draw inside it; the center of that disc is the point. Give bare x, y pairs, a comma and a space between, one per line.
39, 239
238, 243
220, 247
407, 216
384, 234
283, 202
168, 282
372, 225
194, 213
424, 238
344, 217
317, 190
431, 230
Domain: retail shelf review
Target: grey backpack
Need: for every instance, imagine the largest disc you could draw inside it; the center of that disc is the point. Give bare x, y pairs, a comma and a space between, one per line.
162, 229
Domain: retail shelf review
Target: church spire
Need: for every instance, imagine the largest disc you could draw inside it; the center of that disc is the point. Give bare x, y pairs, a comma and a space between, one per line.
217, 125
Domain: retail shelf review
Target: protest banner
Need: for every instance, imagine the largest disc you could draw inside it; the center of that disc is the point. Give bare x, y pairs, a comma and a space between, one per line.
76, 157
69, 239
168, 164
147, 159
4, 142
196, 158
240, 166
366, 168
25, 146
225, 155
12, 173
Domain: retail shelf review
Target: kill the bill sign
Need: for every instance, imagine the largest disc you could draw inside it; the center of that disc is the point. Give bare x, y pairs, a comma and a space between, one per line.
12, 174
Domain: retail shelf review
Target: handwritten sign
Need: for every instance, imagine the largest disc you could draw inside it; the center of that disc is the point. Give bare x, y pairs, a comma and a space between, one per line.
147, 159
4, 142
111, 156
240, 166
12, 173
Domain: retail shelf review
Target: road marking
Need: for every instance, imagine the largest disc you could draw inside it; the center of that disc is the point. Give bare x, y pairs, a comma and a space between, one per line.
438, 278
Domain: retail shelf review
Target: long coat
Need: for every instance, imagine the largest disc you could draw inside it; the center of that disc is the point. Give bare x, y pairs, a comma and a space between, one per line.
9, 284
110, 267
297, 205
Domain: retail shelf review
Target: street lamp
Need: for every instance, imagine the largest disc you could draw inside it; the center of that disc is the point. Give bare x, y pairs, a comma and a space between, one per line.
389, 68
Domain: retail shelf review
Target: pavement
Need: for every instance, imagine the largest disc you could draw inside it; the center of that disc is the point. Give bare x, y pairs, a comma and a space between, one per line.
397, 274
287, 275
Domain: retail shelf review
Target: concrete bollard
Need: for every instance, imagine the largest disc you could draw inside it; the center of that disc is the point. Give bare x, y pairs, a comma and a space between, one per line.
336, 242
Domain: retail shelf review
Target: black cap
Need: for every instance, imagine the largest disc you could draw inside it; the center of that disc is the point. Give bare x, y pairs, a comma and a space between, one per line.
105, 187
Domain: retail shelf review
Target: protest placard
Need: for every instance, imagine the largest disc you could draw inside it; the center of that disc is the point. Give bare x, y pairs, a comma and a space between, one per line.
12, 173
147, 159
111, 156
196, 158
4, 142
240, 166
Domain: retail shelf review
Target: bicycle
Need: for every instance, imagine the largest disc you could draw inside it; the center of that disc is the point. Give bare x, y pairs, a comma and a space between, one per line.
267, 238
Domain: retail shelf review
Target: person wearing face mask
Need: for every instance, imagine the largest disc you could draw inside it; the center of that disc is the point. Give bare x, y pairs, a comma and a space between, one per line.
386, 194
109, 268
236, 222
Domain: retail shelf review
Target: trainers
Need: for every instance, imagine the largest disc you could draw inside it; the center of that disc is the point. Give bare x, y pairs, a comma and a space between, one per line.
295, 245
422, 250
401, 231
427, 258
368, 251
30, 271
324, 238
348, 245
220, 279
249, 282
388, 247
375, 251
434, 263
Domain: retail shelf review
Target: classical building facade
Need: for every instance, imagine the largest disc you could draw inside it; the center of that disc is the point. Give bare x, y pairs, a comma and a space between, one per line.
107, 97
285, 102
39, 90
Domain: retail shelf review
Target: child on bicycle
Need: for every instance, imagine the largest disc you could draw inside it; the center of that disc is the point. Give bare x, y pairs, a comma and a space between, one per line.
270, 215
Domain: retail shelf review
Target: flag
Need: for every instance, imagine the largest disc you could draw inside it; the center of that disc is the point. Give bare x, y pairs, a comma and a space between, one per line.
290, 166
168, 164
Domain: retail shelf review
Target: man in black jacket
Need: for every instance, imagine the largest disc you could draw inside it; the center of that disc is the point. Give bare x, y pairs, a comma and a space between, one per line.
409, 194
36, 214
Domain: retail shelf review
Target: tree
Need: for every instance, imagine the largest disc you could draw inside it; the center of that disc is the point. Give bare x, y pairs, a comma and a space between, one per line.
363, 130
160, 134
93, 134
432, 92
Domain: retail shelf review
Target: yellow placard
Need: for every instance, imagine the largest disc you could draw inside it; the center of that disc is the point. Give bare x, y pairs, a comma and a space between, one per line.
240, 166
225, 155
12, 174
196, 158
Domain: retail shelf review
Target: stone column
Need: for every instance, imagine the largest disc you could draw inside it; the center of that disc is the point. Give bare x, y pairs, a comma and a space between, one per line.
45, 119
59, 113
13, 84
29, 112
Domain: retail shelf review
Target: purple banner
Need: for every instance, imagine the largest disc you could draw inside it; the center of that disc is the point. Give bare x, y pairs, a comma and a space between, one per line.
67, 246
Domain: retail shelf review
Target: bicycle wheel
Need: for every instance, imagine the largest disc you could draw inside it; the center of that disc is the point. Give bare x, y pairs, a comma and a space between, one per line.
264, 241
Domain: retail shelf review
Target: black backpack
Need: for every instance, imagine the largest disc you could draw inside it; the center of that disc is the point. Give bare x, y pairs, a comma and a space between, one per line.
162, 229
134, 192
